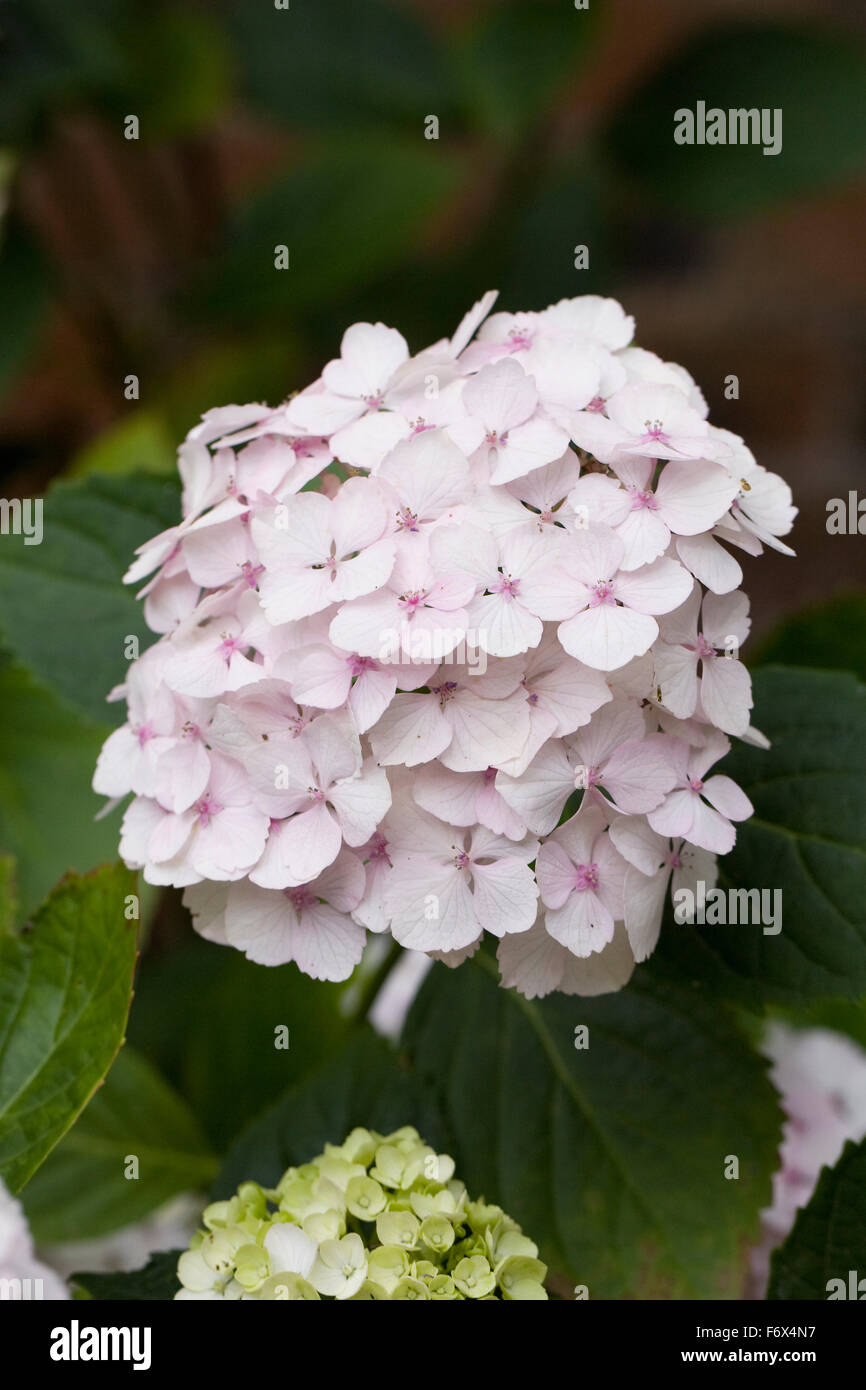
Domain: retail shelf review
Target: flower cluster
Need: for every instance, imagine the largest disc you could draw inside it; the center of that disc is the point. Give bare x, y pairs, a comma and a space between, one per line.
378, 1216
449, 644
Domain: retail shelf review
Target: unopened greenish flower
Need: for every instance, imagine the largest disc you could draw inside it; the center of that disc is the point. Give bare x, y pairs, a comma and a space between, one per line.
380, 1216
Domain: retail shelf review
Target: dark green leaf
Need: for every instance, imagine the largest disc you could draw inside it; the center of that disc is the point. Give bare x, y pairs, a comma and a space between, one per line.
84, 1188
831, 635
47, 809
65, 611
156, 1281
807, 839
367, 1085
227, 1065
610, 1157
64, 997
829, 1236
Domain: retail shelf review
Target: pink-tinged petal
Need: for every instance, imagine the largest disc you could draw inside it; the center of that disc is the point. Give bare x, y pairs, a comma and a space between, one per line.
593, 555
360, 804
598, 435
676, 674
430, 905
182, 775
358, 517
634, 472
484, 732
464, 549
342, 884
656, 588
644, 908
321, 677
140, 820
494, 812
726, 616
645, 537
639, 774
612, 869
638, 843
502, 396
170, 602
577, 835
362, 443
428, 471
571, 693
506, 896
370, 354
710, 563
324, 413
555, 874
710, 830
675, 817
680, 627
583, 924
327, 945
531, 962
334, 748
371, 695
217, 555
114, 768
292, 594
412, 730
528, 446
308, 843
452, 796
598, 500
723, 793
726, 694
706, 754
604, 972
504, 626
364, 573
618, 722
170, 835
692, 497
230, 843
207, 905
538, 795
607, 637
260, 923
470, 321
296, 535
369, 626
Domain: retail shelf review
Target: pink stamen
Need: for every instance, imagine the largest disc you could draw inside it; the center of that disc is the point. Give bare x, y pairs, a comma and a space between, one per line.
602, 592
206, 808
586, 878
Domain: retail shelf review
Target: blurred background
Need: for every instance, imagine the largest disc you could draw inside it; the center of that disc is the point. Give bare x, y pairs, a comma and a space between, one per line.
138, 288
138, 285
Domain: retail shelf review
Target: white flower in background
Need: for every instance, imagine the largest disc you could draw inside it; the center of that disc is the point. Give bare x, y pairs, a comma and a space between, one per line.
424, 623
22, 1275
821, 1079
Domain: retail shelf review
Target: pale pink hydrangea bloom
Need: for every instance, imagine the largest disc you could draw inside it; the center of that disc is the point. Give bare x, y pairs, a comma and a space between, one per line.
448, 643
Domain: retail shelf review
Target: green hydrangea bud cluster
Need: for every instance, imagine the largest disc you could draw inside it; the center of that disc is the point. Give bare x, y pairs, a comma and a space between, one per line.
378, 1216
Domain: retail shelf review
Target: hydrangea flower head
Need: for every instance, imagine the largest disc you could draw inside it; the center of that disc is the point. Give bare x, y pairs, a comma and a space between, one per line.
448, 644
376, 1217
